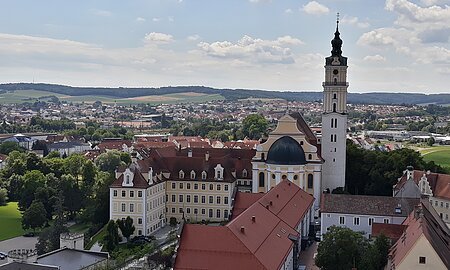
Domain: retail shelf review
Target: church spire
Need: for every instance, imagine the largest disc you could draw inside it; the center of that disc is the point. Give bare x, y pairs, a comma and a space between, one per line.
336, 43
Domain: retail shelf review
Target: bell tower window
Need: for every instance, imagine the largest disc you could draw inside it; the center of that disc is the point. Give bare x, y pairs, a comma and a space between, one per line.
261, 179
334, 96
334, 107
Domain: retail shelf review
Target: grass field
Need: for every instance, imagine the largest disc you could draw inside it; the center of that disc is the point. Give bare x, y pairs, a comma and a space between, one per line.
10, 221
33, 95
439, 154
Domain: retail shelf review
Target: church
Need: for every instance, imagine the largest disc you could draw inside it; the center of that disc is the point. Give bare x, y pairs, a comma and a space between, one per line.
293, 152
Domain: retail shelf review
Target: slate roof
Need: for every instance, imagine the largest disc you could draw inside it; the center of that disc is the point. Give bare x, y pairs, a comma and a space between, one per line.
425, 221
366, 205
259, 238
27, 266
70, 259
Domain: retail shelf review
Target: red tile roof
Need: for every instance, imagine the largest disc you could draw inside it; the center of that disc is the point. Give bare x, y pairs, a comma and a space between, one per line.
391, 231
242, 201
439, 183
264, 230
425, 221
138, 179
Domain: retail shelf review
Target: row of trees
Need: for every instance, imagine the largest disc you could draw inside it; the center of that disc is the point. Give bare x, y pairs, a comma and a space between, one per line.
55, 189
111, 239
374, 173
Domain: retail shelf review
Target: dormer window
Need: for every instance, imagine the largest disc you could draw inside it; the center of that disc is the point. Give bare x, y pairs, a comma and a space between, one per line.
192, 175
218, 171
204, 175
181, 175
244, 173
127, 179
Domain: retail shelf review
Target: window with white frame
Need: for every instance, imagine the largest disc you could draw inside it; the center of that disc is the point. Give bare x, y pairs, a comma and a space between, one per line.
356, 221
341, 220
181, 175
386, 221
370, 221
192, 175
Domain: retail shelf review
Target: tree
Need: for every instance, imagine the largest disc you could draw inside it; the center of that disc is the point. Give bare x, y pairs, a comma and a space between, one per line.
341, 249
376, 256
35, 216
88, 173
111, 239
3, 196
109, 161
32, 180
126, 227
430, 141
8, 147
254, 126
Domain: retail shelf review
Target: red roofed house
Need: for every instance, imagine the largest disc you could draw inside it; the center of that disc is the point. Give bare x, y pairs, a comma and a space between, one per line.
424, 243
264, 236
435, 186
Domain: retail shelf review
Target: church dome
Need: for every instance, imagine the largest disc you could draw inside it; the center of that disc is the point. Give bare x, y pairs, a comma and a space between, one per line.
286, 151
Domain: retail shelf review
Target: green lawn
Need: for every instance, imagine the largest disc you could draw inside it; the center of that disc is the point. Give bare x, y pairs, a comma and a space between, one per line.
10, 221
439, 154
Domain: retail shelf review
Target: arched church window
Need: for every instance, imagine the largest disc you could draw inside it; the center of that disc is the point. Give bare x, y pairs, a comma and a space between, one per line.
261, 179
310, 180
262, 156
335, 122
334, 107
332, 122
335, 80
309, 156
334, 96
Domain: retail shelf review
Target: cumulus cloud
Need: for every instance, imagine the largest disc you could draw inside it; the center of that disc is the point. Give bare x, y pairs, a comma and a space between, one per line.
354, 21
253, 49
155, 37
374, 58
315, 8
193, 37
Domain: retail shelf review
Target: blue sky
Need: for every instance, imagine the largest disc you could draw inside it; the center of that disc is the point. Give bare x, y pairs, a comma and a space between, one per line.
392, 45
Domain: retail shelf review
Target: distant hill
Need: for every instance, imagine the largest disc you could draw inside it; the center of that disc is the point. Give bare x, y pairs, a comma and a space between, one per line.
228, 94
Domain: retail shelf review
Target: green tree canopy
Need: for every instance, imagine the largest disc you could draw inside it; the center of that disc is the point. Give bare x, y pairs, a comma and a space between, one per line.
35, 216
254, 126
111, 239
109, 161
8, 147
126, 227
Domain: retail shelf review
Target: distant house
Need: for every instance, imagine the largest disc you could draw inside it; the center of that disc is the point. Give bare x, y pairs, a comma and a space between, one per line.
68, 148
23, 141
435, 186
424, 243
359, 213
114, 144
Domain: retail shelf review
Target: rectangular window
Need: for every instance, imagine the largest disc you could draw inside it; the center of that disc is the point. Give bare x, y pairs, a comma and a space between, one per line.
115, 193
422, 260
226, 187
139, 221
140, 194
446, 205
188, 186
188, 210
211, 199
188, 198
218, 199
173, 198
370, 221
342, 220
442, 204
435, 203
180, 198
218, 187
195, 198
218, 213
210, 213
386, 221
123, 207
173, 210
211, 187
203, 199
173, 185
225, 213
124, 193
356, 221
203, 187
181, 185
180, 210
203, 211
195, 211
225, 200
131, 193
131, 207
195, 186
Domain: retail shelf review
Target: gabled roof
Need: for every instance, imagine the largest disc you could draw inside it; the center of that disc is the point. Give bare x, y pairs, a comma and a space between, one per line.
366, 205
304, 127
242, 201
261, 237
423, 221
439, 183
391, 231
138, 179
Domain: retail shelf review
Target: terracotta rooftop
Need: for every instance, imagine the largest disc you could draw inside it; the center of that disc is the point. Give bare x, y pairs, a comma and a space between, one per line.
138, 179
439, 183
242, 201
366, 205
258, 238
423, 221
391, 231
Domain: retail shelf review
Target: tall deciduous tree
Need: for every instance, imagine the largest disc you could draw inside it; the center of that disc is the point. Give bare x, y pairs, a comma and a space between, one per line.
376, 256
111, 239
341, 249
32, 180
126, 227
254, 126
35, 216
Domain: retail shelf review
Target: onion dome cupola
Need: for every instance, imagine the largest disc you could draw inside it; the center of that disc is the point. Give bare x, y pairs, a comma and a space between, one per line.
286, 151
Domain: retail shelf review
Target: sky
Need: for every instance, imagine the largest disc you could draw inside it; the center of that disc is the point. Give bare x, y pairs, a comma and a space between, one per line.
392, 45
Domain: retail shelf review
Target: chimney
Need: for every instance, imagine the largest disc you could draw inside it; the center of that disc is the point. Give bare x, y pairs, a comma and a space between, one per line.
253, 219
207, 155
150, 175
271, 203
242, 229
190, 152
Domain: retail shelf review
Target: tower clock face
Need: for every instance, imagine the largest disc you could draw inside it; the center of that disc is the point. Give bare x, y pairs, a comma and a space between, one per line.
335, 72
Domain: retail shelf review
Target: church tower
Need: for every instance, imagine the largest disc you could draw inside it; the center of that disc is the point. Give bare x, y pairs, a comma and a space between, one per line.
334, 116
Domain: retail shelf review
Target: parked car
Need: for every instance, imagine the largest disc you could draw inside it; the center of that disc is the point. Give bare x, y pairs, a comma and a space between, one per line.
29, 234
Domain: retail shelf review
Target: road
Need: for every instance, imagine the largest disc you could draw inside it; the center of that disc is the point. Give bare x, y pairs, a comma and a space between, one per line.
306, 257
19, 242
